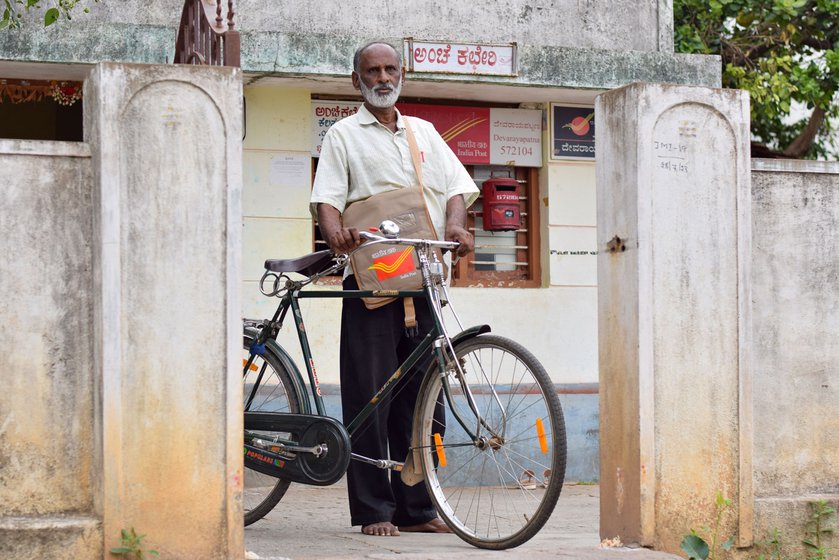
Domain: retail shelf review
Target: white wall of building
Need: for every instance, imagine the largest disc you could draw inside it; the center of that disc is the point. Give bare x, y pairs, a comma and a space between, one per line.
557, 322
540, 22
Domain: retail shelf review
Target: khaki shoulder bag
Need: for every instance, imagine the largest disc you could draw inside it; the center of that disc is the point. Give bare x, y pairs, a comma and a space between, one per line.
385, 267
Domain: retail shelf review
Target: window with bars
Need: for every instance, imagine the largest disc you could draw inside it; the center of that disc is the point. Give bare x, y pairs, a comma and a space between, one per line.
502, 258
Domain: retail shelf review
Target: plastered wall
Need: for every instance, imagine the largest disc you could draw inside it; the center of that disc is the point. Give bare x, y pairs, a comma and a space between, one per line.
560, 43
276, 220
674, 311
615, 25
48, 466
120, 379
795, 215
275, 204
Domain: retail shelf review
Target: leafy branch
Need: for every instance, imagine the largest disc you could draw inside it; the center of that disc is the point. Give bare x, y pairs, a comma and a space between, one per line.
785, 53
15, 10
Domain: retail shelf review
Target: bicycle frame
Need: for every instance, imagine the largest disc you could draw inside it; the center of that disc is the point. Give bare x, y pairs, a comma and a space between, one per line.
436, 341
291, 301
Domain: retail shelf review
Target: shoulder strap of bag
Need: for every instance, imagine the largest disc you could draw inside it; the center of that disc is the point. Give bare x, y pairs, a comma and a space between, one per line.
412, 145
408, 303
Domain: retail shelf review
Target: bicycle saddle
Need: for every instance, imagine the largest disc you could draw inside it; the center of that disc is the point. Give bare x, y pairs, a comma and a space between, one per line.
306, 265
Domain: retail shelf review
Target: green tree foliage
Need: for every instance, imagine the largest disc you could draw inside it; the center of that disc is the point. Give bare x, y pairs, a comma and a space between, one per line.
15, 11
784, 53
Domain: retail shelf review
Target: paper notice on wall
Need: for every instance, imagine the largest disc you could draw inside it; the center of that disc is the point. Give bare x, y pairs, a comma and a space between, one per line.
290, 169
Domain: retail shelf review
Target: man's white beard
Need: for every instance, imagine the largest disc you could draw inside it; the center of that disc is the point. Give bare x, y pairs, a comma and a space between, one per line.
380, 101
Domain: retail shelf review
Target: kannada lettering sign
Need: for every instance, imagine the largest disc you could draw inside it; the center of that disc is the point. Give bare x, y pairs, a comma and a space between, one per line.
572, 132
465, 129
324, 115
484, 135
477, 135
461, 58
516, 137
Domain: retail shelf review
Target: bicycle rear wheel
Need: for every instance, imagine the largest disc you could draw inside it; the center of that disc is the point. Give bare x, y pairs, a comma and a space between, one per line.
497, 486
275, 392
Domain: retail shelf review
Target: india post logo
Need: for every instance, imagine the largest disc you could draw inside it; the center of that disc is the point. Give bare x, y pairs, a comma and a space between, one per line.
394, 264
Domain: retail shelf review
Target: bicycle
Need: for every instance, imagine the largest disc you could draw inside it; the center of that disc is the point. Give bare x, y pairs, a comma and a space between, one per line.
493, 464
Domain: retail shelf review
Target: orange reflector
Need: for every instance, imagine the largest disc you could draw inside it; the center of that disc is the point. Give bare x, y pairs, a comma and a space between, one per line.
540, 431
252, 366
441, 453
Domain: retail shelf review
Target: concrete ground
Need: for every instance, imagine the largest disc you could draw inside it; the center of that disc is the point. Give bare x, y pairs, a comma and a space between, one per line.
313, 523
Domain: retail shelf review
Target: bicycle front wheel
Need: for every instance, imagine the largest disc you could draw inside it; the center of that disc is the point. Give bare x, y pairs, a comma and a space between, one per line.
268, 387
494, 463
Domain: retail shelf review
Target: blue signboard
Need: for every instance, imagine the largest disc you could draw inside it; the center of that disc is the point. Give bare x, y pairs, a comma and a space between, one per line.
572, 132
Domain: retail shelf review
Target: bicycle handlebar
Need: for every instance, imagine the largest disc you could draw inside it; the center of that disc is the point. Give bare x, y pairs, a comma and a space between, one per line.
341, 261
374, 239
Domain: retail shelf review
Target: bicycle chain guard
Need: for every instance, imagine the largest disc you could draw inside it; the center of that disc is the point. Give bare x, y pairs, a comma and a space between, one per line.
300, 466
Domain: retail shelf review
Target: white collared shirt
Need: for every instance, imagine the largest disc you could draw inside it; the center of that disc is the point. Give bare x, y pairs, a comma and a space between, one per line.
361, 157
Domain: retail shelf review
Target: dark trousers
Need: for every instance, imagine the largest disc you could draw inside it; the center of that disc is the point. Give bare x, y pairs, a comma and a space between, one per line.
374, 343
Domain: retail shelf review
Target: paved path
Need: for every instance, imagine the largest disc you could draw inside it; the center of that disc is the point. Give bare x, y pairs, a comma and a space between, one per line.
313, 523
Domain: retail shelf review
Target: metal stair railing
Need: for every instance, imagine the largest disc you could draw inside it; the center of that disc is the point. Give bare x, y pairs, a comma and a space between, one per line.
204, 39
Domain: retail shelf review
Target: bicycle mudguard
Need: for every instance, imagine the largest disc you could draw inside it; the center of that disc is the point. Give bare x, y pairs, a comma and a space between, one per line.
411, 473
471, 332
272, 346
279, 460
297, 376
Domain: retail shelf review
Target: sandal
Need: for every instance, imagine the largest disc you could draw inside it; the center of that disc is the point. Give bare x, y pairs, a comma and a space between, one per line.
527, 480
546, 478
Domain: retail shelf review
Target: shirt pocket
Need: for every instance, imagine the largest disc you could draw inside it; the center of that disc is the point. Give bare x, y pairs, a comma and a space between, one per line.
433, 168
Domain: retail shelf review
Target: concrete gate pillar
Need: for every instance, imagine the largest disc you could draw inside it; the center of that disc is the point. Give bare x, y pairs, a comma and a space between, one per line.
673, 221
166, 150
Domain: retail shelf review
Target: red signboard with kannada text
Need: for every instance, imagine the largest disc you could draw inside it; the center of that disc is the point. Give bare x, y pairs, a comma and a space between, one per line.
465, 129
477, 135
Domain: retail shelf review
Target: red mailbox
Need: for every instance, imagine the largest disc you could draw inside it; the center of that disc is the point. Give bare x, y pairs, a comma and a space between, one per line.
501, 204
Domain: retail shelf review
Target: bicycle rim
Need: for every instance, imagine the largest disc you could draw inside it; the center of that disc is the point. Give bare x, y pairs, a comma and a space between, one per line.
498, 489
275, 393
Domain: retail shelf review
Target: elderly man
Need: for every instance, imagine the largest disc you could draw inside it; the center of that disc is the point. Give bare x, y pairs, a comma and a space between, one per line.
361, 156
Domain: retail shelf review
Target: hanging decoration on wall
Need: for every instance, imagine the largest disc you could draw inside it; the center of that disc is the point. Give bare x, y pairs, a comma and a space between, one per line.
32, 91
66, 93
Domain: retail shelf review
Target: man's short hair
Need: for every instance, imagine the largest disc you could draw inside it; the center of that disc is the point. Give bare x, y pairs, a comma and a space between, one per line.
356, 60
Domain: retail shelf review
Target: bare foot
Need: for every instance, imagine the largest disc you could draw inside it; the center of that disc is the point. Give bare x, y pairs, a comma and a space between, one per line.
381, 529
435, 525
